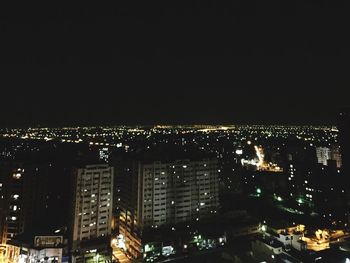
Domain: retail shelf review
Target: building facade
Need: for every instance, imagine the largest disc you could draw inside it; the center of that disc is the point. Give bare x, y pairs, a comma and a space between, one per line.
13, 202
336, 155
172, 193
166, 194
323, 155
92, 202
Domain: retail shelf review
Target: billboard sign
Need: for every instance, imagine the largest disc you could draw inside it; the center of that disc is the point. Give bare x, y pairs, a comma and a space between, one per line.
48, 241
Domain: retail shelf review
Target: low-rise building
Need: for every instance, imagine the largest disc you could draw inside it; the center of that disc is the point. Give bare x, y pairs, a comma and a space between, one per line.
266, 248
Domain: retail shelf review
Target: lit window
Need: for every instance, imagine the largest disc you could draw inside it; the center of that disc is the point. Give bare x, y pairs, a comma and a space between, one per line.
16, 176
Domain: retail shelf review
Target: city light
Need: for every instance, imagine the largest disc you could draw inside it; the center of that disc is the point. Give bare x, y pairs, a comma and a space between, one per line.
246, 160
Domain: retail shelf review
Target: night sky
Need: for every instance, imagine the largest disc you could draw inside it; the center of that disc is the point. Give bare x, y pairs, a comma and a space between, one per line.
152, 62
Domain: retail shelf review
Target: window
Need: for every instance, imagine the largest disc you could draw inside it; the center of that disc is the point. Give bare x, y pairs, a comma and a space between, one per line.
17, 176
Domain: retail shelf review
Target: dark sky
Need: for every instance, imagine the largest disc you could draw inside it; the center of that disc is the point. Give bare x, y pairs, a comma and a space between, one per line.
153, 62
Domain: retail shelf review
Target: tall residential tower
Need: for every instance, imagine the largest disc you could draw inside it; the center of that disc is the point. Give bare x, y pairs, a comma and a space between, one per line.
92, 199
152, 194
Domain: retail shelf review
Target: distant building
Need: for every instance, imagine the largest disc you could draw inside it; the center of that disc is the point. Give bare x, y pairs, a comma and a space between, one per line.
323, 155
344, 139
164, 193
104, 154
316, 188
336, 155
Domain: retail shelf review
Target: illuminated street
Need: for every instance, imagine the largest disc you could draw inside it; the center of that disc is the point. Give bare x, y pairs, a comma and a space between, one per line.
120, 256
315, 245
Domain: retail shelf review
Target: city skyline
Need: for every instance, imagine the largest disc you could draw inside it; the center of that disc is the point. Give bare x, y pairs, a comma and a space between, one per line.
177, 109
175, 132
165, 192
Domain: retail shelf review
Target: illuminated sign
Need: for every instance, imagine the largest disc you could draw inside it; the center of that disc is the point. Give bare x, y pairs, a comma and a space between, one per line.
48, 241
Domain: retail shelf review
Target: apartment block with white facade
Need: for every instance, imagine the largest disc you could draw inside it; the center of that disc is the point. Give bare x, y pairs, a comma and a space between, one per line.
323, 155
176, 192
93, 197
164, 192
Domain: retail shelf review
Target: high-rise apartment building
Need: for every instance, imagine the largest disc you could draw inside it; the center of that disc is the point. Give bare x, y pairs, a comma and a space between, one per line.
13, 200
151, 194
336, 155
32, 197
323, 155
92, 199
176, 192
